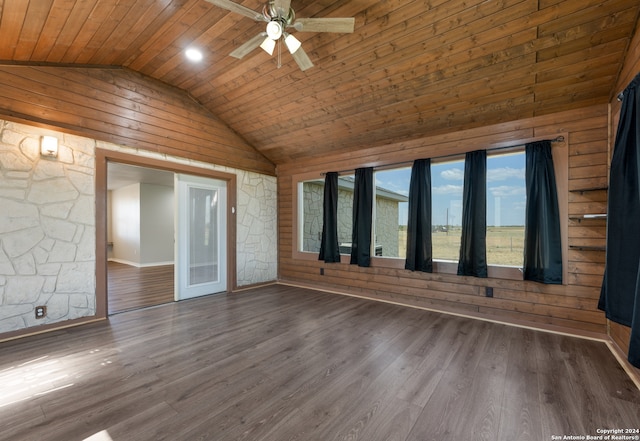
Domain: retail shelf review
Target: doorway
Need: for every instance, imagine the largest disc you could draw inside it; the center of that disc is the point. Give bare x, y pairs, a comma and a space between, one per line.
159, 274
140, 236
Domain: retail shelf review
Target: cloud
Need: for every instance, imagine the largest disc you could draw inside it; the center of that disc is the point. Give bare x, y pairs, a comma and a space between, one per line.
520, 206
493, 174
505, 191
453, 174
504, 173
447, 189
400, 187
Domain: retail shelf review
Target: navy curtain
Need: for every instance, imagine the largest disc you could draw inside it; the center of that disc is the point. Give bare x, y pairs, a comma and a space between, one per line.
419, 249
329, 250
620, 294
473, 245
362, 217
542, 243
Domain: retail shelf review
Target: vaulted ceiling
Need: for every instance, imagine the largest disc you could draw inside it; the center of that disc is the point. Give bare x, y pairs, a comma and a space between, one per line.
410, 68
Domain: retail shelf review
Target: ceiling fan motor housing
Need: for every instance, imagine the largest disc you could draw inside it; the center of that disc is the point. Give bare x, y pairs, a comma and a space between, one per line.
274, 29
277, 22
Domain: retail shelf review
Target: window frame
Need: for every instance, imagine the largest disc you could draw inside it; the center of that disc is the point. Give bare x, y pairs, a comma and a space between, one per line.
561, 162
374, 229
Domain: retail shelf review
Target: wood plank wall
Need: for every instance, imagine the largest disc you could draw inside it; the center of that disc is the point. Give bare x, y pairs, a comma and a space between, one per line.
572, 306
621, 334
123, 107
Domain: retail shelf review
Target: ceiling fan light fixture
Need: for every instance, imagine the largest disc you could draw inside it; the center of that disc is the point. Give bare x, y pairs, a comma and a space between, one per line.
268, 45
293, 44
274, 30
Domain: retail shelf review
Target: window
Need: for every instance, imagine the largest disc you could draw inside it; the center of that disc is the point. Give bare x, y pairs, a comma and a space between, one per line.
310, 194
390, 212
506, 203
345, 212
447, 180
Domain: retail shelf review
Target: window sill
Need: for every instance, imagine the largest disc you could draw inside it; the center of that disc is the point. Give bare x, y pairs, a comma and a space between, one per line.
439, 266
493, 271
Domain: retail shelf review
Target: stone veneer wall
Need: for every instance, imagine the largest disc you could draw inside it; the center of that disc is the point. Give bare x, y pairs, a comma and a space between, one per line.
386, 219
257, 228
47, 225
387, 235
47, 228
313, 194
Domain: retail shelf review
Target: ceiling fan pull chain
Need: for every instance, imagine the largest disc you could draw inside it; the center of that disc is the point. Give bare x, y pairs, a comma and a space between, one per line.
279, 53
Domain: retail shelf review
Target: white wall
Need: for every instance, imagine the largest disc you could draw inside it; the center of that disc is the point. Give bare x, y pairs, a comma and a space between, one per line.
47, 225
142, 221
109, 227
125, 224
156, 224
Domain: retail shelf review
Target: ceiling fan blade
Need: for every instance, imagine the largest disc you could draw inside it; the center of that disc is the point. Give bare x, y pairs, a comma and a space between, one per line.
238, 9
282, 7
302, 59
250, 45
341, 25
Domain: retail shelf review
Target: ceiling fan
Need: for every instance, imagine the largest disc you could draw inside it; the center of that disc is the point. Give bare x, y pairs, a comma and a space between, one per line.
279, 16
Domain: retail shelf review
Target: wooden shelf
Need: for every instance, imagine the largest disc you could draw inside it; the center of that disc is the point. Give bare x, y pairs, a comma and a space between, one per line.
587, 248
580, 190
580, 217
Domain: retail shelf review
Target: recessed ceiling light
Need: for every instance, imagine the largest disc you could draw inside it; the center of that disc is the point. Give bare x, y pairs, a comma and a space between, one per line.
193, 54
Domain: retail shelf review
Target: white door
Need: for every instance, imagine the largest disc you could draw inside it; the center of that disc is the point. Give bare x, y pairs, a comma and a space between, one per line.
201, 233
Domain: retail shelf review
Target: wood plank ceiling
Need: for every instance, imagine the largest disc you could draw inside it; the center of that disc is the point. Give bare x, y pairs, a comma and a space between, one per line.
411, 68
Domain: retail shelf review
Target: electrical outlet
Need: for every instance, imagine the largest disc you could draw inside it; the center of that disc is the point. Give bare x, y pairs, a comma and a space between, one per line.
322, 271
41, 312
489, 291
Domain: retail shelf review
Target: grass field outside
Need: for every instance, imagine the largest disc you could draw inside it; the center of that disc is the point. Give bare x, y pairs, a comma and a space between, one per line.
505, 245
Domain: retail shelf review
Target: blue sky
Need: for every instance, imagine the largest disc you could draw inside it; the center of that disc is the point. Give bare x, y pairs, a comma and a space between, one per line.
505, 190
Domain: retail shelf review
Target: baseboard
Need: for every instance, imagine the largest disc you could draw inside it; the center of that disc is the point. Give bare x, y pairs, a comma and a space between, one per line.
140, 265
632, 371
253, 286
49, 327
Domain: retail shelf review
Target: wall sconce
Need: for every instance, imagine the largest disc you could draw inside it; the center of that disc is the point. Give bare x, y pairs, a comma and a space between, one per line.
49, 146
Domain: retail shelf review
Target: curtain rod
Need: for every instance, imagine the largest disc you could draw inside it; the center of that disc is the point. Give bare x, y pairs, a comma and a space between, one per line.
556, 139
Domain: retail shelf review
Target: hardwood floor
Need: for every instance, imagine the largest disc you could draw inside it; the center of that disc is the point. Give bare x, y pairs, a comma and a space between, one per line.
282, 363
130, 287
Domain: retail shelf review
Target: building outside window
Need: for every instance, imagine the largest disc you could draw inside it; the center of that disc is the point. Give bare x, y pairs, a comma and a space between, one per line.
387, 208
391, 211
